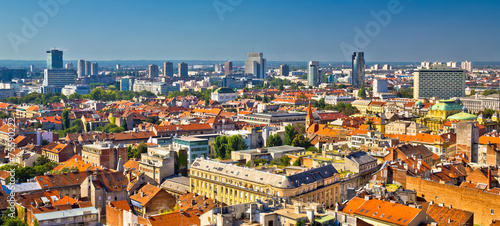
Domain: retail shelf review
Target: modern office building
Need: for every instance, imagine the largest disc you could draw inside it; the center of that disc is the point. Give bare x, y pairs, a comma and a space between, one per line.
168, 69
54, 59
126, 83
182, 69
153, 70
69, 65
81, 68
466, 65
284, 70
88, 67
118, 67
81, 89
380, 86
439, 81
358, 69
196, 147
256, 65
59, 77
154, 87
313, 76
228, 68
94, 69
32, 68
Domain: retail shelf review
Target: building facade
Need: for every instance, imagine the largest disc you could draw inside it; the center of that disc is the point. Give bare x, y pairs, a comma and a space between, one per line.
168, 69
358, 69
256, 65
232, 184
313, 76
54, 59
228, 68
439, 81
59, 77
182, 69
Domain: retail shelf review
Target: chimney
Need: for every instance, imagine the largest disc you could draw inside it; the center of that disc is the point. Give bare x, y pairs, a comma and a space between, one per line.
489, 178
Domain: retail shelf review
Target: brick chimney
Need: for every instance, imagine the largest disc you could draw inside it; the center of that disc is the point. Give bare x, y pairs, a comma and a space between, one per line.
489, 178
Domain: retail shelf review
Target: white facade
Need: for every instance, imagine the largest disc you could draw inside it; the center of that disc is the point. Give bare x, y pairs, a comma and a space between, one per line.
59, 77
380, 86
334, 100
80, 89
154, 87
466, 65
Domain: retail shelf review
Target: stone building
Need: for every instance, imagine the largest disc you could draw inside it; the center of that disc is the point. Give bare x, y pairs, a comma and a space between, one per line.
232, 184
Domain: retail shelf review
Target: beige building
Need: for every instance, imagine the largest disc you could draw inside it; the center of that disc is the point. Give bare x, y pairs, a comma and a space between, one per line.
267, 154
405, 127
232, 184
439, 81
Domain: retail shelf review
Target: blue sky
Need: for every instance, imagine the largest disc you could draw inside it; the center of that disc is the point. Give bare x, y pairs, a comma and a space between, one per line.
285, 30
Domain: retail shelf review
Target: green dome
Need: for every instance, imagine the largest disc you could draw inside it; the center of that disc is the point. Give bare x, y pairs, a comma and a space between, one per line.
448, 105
463, 116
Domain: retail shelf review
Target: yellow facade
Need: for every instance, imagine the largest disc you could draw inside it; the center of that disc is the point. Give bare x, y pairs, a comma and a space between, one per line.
233, 190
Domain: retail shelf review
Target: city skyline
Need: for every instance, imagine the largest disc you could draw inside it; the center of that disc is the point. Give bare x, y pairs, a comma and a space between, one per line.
191, 30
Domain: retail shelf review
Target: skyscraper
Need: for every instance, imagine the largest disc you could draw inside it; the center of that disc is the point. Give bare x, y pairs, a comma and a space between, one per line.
81, 68
228, 68
153, 70
313, 73
285, 70
358, 69
69, 65
54, 59
256, 65
88, 67
94, 69
467, 66
168, 69
439, 81
118, 66
182, 69
218, 68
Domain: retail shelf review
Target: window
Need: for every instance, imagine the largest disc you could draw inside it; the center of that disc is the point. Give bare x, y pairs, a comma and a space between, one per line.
492, 212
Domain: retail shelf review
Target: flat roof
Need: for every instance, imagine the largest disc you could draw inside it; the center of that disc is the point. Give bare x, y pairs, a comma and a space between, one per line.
277, 149
65, 213
190, 138
23, 187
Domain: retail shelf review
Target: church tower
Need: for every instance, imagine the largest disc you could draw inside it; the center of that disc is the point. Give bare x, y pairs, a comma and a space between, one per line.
309, 117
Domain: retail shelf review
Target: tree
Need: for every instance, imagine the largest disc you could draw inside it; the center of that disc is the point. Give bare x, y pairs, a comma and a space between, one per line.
45, 142
289, 134
296, 162
74, 96
65, 118
265, 99
236, 143
362, 93
487, 113
42, 160
285, 160
220, 147
124, 124
274, 140
301, 141
207, 103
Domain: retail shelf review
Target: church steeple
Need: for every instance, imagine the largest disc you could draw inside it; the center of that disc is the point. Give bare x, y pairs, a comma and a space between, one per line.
309, 117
